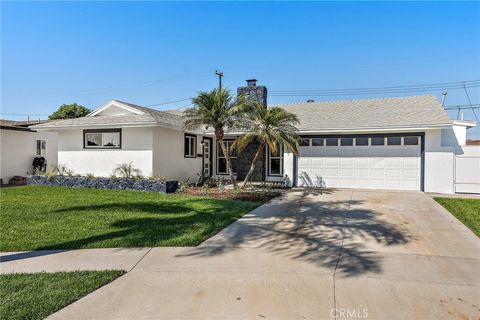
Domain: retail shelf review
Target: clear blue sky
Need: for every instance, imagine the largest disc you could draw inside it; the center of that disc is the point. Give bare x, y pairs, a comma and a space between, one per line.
151, 52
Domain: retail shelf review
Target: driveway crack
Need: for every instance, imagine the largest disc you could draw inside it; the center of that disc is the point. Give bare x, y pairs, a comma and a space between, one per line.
340, 255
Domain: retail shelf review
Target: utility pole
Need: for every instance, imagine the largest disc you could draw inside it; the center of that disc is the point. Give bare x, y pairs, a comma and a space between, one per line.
220, 75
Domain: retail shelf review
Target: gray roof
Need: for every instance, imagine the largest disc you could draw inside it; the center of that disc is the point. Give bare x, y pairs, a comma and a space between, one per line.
416, 111
403, 112
149, 116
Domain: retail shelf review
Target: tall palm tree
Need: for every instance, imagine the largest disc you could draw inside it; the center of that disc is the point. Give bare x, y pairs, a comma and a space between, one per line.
219, 110
272, 127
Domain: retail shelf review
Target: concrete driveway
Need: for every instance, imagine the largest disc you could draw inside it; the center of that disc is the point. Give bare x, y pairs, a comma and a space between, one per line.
310, 255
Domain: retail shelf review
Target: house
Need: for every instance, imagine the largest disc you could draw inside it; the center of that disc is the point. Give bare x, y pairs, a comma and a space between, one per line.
20, 145
406, 143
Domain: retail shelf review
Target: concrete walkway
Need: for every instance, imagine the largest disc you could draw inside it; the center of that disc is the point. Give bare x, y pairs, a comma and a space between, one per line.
309, 255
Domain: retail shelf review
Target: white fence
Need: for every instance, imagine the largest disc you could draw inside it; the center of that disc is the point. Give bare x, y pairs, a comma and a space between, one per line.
467, 170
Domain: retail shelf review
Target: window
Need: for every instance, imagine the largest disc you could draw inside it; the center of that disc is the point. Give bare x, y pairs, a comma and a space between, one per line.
190, 146
332, 142
41, 147
378, 141
305, 142
275, 162
222, 161
346, 142
102, 139
317, 142
394, 141
410, 141
361, 141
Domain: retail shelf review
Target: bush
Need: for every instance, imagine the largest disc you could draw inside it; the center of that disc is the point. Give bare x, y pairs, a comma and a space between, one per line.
127, 170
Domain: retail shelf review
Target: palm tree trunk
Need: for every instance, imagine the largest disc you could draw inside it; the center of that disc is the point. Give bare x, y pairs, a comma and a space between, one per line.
229, 161
252, 166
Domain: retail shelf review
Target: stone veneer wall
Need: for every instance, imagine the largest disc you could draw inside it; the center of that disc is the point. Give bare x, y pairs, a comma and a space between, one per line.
244, 161
105, 183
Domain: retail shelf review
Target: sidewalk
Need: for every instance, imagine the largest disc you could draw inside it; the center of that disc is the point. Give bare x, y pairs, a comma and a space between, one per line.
71, 260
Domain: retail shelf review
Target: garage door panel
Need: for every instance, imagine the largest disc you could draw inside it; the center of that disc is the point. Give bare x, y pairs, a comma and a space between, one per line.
361, 172
394, 173
332, 162
346, 172
332, 172
378, 167
362, 162
346, 162
377, 173
378, 163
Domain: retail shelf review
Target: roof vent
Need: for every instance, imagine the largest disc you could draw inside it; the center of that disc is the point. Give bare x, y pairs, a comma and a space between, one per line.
310, 100
252, 82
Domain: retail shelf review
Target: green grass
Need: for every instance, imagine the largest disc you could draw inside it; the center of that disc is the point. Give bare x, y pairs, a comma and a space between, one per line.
466, 210
42, 218
37, 295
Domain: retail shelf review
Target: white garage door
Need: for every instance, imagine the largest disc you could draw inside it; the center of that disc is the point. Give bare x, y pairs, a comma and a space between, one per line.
361, 162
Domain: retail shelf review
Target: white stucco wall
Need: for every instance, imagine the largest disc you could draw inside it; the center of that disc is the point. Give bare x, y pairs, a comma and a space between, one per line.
439, 161
18, 152
168, 155
137, 147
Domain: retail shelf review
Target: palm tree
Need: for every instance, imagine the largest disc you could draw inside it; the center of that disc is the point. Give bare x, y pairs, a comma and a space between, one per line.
219, 110
272, 127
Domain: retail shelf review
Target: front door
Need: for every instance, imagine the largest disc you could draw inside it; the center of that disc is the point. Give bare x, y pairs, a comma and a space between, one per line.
207, 157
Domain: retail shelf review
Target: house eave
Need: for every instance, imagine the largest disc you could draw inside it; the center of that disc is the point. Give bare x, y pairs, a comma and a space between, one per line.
98, 125
415, 128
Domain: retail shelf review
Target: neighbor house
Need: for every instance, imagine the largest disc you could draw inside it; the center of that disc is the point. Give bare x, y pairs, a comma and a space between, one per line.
406, 143
20, 145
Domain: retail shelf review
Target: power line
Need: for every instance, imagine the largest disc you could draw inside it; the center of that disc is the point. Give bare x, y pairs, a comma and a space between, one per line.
470, 102
463, 106
168, 102
383, 90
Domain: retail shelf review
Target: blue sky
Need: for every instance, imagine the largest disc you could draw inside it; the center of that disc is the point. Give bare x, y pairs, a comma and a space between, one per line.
151, 52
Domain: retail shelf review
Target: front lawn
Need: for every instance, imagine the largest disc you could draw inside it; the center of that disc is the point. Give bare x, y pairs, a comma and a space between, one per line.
466, 210
40, 218
37, 295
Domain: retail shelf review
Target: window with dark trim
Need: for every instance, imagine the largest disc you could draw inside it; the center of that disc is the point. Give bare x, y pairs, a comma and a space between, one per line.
377, 141
331, 142
317, 142
41, 147
222, 161
305, 142
394, 141
361, 141
345, 142
190, 146
102, 139
275, 162
410, 141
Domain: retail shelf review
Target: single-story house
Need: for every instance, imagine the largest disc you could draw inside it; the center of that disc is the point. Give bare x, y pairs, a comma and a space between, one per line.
406, 143
20, 145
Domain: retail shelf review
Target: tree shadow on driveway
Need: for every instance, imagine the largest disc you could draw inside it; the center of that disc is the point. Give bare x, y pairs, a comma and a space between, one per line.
311, 229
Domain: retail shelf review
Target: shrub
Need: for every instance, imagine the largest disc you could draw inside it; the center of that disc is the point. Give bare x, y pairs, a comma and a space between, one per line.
62, 170
127, 170
157, 178
90, 176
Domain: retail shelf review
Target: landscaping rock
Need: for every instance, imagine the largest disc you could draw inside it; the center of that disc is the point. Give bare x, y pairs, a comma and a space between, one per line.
105, 183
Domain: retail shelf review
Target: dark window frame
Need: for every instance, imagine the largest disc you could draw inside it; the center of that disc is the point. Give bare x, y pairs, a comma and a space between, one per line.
280, 157
194, 136
217, 157
86, 131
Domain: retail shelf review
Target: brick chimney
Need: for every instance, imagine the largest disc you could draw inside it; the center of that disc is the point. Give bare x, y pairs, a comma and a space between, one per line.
254, 92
